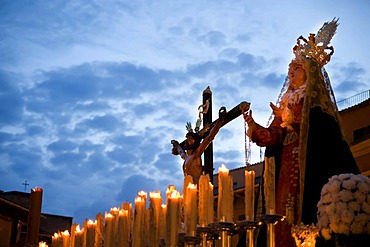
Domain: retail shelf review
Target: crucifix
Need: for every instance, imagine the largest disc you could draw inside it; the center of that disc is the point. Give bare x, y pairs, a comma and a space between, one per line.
25, 185
209, 130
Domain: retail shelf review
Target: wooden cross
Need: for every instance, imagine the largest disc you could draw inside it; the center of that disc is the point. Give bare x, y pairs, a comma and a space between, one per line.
25, 185
207, 120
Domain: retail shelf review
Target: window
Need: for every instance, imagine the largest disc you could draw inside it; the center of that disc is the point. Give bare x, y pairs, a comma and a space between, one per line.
361, 134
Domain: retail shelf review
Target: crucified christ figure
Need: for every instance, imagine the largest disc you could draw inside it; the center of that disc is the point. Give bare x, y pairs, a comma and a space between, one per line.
193, 147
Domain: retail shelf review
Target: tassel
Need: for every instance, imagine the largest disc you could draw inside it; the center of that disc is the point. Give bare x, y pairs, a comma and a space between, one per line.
289, 210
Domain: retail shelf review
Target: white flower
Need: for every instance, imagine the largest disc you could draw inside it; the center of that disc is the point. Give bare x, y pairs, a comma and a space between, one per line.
364, 185
343, 228
334, 220
326, 198
354, 206
359, 196
356, 229
343, 176
349, 184
341, 206
333, 186
345, 195
335, 227
331, 210
347, 216
344, 206
366, 205
361, 219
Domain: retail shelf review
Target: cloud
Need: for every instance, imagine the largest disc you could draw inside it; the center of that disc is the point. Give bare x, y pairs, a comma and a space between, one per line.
132, 185
122, 156
213, 38
61, 146
176, 30
97, 163
67, 159
11, 107
102, 123
349, 80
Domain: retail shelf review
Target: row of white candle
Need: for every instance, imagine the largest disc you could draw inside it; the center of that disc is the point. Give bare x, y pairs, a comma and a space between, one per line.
120, 227
225, 200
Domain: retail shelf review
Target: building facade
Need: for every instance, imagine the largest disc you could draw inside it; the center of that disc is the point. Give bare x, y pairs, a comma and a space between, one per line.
14, 214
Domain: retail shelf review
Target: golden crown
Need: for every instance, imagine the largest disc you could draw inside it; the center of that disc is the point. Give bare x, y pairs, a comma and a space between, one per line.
317, 46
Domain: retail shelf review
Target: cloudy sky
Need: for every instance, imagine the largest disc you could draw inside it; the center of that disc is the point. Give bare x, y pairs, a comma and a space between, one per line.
92, 92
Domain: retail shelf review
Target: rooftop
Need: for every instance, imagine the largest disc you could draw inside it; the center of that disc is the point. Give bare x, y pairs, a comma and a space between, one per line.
353, 100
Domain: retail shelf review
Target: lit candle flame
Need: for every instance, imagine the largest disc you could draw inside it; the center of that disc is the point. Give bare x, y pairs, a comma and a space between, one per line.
210, 185
170, 189
175, 194
65, 233
139, 199
192, 186
43, 244
91, 222
114, 209
123, 212
109, 215
78, 229
155, 194
142, 194
223, 169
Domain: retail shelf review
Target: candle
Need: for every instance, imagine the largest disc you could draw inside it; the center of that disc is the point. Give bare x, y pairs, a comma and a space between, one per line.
43, 244
78, 239
89, 233
137, 240
173, 213
143, 195
225, 195
146, 227
73, 235
191, 210
206, 212
154, 214
99, 230
123, 228
65, 238
170, 190
115, 212
162, 223
109, 230
145, 222
34, 216
128, 207
56, 240
269, 178
187, 179
249, 195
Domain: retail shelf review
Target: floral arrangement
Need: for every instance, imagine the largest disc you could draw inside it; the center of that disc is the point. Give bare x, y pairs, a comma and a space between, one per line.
344, 206
305, 235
